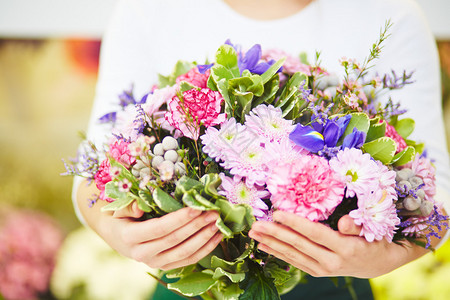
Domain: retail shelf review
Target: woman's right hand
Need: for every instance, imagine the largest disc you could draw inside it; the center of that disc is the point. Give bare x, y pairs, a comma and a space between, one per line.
175, 240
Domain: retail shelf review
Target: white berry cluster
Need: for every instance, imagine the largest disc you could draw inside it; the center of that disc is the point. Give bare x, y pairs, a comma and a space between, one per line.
415, 201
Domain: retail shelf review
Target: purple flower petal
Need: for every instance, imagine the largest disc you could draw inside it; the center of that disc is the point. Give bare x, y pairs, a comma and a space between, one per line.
203, 68
331, 133
108, 118
307, 138
355, 139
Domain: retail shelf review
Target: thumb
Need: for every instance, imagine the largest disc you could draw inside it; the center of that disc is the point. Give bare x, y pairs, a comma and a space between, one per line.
130, 211
347, 226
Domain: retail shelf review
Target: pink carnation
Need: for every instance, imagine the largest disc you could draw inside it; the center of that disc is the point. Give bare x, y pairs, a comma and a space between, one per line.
102, 177
306, 187
120, 152
393, 134
197, 108
194, 77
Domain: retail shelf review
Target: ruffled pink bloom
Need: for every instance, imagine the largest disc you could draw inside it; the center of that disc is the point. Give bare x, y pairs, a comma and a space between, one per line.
358, 171
377, 215
126, 123
268, 122
158, 98
307, 187
291, 65
120, 152
194, 77
393, 134
422, 167
102, 177
197, 108
237, 192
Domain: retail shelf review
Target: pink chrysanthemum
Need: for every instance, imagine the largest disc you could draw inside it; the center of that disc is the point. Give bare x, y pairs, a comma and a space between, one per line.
422, 167
197, 108
377, 215
120, 152
102, 177
291, 65
226, 142
307, 187
357, 169
268, 122
285, 152
249, 163
393, 134
194, 77
238, 192
386, 179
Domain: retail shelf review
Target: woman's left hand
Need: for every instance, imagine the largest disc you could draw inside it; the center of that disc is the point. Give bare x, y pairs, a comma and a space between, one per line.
320, 251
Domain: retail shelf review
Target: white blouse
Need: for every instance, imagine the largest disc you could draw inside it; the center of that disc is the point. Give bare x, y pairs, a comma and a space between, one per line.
147, 37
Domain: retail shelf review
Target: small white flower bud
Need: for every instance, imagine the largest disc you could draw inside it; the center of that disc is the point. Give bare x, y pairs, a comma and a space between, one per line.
405, 186
404, 174
169, 143
420, 194
158, 150
426, 208
410, 203
180, 168
171, 155
415, 181
156, 161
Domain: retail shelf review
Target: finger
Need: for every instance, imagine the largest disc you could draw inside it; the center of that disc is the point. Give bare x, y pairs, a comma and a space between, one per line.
314, 231
280, 236
347, 226
192, 250
130, 211
267, 249
158, 227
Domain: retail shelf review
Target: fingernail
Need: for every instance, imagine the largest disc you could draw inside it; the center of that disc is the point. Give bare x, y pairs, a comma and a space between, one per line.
213, 227
211, 216
194, 212
254, 235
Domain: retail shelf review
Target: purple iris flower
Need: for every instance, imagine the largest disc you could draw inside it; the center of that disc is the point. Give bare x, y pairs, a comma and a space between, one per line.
307, 138
354, 140
315, 138
127, 98
203, 68
250, 60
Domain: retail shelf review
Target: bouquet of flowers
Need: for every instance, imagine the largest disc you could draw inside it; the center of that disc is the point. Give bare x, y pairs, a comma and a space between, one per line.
255, 132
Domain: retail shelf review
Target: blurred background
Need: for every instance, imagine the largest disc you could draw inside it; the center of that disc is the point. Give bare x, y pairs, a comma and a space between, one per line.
49, 53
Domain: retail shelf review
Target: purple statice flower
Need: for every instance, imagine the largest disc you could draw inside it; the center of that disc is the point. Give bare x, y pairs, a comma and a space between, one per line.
108, 118
85, 164
268, 123
395, 82
239, 192
304, 92
377, 215
127, 98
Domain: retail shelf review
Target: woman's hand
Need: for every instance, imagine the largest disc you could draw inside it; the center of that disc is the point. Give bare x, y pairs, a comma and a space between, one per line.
175, 240
320, 251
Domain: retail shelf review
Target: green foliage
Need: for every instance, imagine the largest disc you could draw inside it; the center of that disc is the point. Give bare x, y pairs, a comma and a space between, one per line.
258, 286
405, 127
181, 67
382, 149
404, 156
194, 284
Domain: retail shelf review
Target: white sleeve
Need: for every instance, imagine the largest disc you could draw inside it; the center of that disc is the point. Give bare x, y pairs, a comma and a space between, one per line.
124, 60
412, 47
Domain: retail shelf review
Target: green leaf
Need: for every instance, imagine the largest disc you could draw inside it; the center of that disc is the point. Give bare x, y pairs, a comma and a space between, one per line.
266, 76
291, 88
236, 266
227, 57
418, 146
234, 277
165, 201
180, 272
193, 284
227, 232
186, 86
359, 121
270, 90
219, 72
122, 199
190, 201
376, 130
186, 184
404, 156
405, 127
231, 292
233, 215
204, 201
257, 285
222, 86
382, 149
